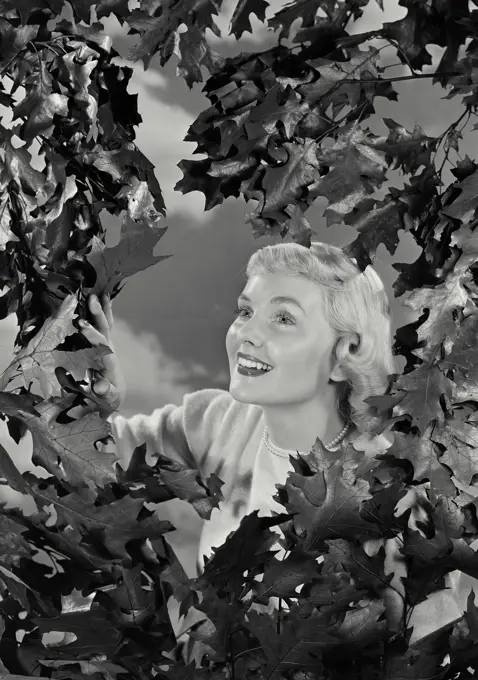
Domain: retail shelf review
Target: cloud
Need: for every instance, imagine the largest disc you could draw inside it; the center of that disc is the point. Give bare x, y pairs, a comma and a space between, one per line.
152, 377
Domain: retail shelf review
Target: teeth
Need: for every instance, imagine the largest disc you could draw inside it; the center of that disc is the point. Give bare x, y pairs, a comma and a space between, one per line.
254, 364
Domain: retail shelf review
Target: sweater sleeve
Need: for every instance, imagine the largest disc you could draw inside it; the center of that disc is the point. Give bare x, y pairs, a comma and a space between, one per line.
184, 433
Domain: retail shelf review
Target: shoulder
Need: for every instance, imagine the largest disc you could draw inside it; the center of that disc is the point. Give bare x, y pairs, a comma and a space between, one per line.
210, 403
216, 406
200, 412
218, 427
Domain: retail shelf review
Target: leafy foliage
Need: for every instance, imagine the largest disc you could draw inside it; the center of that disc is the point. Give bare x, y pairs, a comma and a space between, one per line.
85, 578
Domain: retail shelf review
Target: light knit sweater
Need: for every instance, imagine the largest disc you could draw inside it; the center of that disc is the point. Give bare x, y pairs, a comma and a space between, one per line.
212, 431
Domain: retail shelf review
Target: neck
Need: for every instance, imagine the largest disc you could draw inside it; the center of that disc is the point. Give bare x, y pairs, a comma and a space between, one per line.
297, 426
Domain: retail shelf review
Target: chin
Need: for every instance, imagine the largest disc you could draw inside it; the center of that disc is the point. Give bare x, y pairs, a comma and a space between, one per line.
239, 393
247, 395
242, 393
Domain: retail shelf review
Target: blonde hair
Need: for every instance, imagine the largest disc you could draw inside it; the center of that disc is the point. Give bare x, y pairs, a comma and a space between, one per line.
355, 302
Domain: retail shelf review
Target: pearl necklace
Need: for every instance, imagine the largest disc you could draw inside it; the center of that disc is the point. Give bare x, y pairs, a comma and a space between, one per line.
281, 452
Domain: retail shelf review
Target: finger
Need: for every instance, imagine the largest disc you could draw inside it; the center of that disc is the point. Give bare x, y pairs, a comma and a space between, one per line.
111, 365
109, 361
107, 384
99, 319
108, 309
92, 334
108, 393
101, 387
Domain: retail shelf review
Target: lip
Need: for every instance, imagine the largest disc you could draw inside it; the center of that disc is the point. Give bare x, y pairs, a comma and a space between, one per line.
241, 355
250, 372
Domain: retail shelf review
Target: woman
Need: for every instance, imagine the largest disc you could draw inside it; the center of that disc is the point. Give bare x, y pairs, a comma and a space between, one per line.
310, 342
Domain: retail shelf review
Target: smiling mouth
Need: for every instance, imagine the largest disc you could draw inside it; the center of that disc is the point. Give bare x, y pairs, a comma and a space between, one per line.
251, 371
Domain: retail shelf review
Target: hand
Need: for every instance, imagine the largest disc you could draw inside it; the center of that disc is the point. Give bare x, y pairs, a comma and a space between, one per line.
107, 384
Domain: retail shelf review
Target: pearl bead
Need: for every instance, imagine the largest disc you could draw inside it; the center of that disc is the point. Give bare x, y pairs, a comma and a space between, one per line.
278, 452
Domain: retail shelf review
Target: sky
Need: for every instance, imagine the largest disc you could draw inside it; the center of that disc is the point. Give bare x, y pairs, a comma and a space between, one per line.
171, 320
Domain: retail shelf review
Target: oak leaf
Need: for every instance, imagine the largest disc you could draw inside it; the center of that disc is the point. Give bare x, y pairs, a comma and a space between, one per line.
40, 106
426, 458
115, 524
424, 387
68, 450
460, 440
36, 360
167, 479
326, 497
240, 21
132, 254
158, 30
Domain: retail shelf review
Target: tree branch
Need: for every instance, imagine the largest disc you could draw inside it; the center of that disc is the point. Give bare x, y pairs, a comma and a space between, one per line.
443, 136
393, 80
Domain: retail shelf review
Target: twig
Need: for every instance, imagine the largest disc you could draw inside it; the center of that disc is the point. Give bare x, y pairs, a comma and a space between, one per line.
397, 46
399, 63
337, 124
443, 136
48, 44
397, 78
246, 651
49, 47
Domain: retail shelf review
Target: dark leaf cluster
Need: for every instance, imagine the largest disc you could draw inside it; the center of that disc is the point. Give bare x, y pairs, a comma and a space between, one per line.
87, 576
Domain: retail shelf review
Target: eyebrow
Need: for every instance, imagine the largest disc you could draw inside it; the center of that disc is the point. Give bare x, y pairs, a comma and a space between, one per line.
278, 300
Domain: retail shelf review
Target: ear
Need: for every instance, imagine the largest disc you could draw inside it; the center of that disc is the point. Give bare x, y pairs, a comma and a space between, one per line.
344, 345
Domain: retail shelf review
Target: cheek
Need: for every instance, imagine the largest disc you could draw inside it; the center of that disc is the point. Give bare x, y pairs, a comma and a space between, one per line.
231, 341
305, 359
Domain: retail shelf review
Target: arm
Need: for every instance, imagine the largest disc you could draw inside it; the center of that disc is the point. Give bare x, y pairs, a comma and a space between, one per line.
184, 433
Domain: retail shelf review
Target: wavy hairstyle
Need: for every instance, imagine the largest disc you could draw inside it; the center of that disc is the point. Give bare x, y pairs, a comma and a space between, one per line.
355, 302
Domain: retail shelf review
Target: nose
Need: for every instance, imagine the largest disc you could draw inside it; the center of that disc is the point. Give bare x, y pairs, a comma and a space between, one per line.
251, 332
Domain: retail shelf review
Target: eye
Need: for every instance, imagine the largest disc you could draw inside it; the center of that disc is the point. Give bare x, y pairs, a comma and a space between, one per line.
288, 319
284, 318
241, 311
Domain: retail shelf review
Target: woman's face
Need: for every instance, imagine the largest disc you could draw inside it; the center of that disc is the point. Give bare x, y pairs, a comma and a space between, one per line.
280, 322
